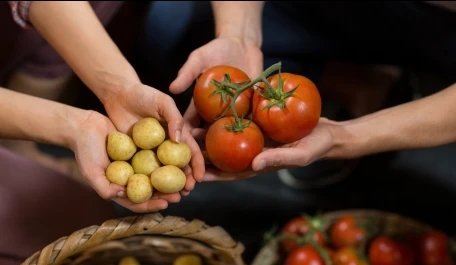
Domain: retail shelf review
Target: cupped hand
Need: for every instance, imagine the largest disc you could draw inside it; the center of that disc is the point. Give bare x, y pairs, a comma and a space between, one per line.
220, 51
274, 157
90, 150
135, 102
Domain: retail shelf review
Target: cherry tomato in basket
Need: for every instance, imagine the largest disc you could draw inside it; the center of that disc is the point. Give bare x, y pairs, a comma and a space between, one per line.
305, 255
230, 150
434, 249
208, 95
299, 227
346, 232
285, 115
347, 256
386, 251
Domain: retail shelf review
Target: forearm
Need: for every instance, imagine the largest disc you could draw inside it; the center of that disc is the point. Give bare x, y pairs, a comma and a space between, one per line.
24, 117
75, 32
423, 123
239, 20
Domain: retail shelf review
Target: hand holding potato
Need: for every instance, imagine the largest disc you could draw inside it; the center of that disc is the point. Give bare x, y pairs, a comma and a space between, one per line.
133, 103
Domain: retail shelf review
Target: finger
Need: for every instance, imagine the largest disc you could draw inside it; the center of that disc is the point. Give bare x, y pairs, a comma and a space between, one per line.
190, 184
145, 207
214, 174
279, 157
175, 122
199, 133
169, 197
188, 72
197, 161
184, 193
191, 116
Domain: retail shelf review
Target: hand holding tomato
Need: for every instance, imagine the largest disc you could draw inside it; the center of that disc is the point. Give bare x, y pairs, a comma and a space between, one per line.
274, 157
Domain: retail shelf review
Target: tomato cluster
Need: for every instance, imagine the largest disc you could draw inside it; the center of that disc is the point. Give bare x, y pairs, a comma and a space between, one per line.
348, 241
284, 107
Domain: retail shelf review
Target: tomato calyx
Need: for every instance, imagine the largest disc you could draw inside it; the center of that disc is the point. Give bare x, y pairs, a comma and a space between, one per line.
226, 89
276, 96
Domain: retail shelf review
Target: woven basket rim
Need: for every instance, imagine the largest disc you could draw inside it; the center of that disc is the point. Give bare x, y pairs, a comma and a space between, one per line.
144, 224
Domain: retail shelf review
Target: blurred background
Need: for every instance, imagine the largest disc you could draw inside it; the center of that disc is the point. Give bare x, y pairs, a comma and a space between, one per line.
157, 37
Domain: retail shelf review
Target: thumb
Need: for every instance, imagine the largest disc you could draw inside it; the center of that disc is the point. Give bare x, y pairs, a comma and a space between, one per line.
187, 74
279, 157
104, 188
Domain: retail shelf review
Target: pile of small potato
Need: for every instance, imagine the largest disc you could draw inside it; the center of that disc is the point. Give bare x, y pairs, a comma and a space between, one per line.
185, 259
146, 161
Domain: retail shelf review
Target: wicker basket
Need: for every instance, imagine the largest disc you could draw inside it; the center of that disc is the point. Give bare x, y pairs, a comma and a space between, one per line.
151, 238
384, 222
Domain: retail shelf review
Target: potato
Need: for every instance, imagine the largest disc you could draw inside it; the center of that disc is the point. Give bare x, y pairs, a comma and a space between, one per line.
120, 146
148, 133
188, 259
168, 179
118, 172
174, 154
139, 188
129, 260
144, 162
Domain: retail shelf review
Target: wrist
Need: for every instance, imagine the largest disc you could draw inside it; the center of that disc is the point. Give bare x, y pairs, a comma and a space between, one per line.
347, 141
110, 85
250, 38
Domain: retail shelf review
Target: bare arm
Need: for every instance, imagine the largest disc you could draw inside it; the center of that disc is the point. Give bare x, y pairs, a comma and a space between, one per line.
75, 32
25, 117
240, 20
423, 123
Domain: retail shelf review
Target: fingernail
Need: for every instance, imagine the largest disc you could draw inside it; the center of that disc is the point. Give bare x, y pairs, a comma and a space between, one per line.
178, 135
121, 194
261, 165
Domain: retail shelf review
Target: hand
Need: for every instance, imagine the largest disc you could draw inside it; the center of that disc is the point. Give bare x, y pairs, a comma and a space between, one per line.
89, 147
229, 51
138, 101
275, 157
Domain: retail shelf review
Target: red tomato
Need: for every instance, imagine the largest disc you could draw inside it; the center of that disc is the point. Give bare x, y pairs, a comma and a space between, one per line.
299, 227
433, 249
347, 256
232, 151
208, 96
385, 251
346, 233
291, 116
305, 255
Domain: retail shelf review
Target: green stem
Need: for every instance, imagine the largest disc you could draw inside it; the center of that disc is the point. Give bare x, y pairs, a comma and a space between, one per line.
262, 78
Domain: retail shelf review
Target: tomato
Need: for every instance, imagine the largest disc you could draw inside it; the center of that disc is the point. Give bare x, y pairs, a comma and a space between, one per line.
283, 115
230, 150
208, 96
345, 232
299, 226
386, 251
305, 255
434, 249
347, 256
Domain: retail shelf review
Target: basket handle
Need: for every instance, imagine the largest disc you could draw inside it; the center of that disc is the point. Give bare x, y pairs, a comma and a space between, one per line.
148, 224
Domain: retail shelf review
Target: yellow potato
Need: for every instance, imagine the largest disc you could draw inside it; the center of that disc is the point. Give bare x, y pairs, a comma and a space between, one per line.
144, 162
188, 259
118, 172
139, 188
148, 133
168, 179
174, 154
129, 260
120, 147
